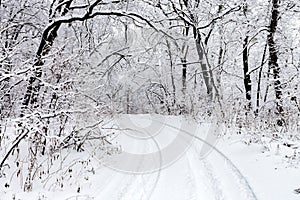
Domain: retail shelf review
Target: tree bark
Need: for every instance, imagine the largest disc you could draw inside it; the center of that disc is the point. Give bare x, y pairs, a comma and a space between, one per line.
184, 68
204, 68
273, 59
247, 78
259, 80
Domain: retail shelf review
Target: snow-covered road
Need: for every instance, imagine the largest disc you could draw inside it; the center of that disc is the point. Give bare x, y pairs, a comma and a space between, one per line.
179, 166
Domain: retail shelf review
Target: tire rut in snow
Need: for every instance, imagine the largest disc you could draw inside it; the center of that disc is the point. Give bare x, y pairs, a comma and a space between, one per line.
191, 182
206, 184
138, 181
214, 181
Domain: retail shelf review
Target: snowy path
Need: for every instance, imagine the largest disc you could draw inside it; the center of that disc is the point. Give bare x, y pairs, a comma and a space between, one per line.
188, 176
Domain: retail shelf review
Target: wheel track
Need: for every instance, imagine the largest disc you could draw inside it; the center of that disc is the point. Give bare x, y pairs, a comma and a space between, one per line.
134, 178
191, 182
206, 181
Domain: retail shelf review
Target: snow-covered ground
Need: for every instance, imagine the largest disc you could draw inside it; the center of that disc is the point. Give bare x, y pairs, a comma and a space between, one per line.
159, 159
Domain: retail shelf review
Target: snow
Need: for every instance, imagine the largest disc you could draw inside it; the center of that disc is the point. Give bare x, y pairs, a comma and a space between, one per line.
157, 159
270, 175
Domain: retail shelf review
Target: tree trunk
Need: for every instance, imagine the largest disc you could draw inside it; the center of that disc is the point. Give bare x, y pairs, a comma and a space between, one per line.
184, 78
172, 75
204, 68
273, 60
48, 37
184, 66
259, 80
247, 78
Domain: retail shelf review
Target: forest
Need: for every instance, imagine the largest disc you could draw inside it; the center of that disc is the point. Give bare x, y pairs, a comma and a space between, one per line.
68, 66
